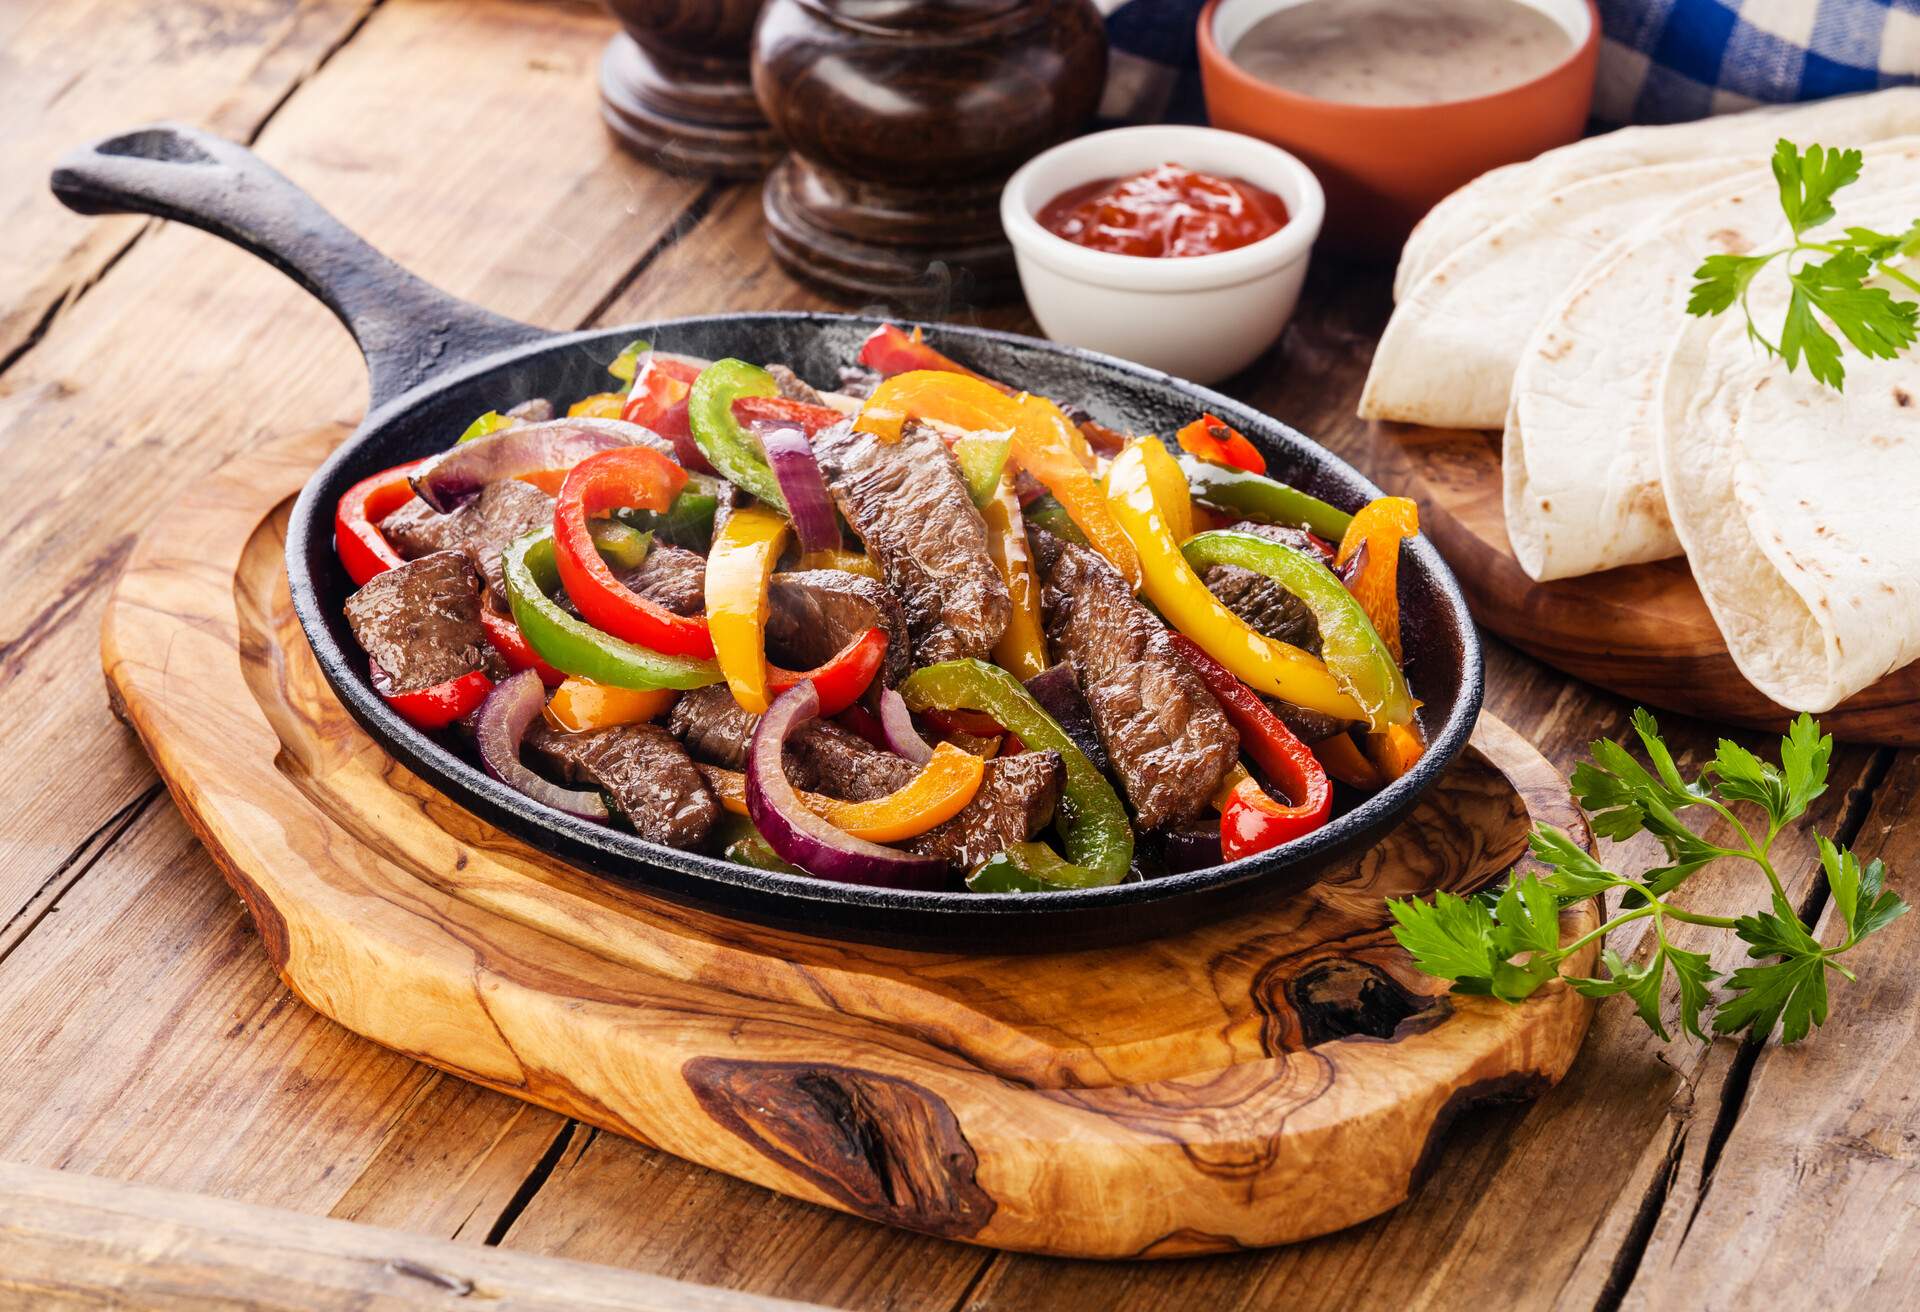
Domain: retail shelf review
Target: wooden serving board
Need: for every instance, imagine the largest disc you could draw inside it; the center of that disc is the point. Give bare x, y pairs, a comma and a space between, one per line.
1642, 631
1262, 1080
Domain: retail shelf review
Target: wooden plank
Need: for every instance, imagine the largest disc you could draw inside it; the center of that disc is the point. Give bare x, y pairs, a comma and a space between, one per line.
71, 71
611, 1200
78, 1240
221, 349
1814, 1197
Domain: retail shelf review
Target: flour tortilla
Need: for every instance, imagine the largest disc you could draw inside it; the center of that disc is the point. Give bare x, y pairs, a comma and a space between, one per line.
1580, 452
1796, 503
1448, 355
1495, 196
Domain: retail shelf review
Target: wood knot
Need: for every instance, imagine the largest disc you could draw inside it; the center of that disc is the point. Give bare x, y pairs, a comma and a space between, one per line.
884, 1147
1334, 998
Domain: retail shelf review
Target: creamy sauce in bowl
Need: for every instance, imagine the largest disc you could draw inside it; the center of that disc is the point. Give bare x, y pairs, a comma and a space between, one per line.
1402, 52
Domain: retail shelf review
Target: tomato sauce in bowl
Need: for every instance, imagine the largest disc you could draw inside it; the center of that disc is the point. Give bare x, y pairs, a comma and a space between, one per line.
1166, 212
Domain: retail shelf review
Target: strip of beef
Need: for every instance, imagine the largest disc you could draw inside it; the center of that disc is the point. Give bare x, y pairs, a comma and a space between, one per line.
536, 411
672, 577
821, 756
1167, 738
1016, 800
483, 528
793, 387
1266, 606
813, 614
910, 506
643, 769
420, 622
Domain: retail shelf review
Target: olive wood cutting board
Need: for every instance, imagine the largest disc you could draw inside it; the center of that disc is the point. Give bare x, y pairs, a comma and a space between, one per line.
1264, 1079
1642, 631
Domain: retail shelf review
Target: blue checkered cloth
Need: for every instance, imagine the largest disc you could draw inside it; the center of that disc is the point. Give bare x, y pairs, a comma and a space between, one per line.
1664, 61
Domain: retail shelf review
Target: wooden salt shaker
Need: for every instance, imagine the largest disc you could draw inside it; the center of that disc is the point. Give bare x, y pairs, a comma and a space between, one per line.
674, 87
903, 120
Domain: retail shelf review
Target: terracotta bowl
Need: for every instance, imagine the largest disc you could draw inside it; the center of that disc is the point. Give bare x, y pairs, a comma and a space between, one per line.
1385, 166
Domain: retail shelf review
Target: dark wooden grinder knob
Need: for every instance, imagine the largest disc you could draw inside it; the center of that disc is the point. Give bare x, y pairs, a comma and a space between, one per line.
903, 120
675, 90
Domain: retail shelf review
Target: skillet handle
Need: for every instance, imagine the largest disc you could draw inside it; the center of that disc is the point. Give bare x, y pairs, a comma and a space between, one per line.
406, 328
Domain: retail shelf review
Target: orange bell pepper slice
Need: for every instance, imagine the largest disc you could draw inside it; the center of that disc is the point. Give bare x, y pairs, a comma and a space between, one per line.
1378, 529
1217, 441
945, 784
1023, 646
601, 405
580, 705
1046, 444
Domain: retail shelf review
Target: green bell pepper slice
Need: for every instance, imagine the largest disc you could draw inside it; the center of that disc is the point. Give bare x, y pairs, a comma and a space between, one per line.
1258, 497
688, 522
983, 458
742, 844
573, 646
1049, 514
1091, 820
1353, 651
727, 446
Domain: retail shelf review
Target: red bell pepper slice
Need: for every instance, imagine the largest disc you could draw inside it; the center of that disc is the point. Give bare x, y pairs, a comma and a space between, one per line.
514, 649
809, 419
363, 548
435, 708
1252, 821
658, 400
1218, 442
634, 476
841, 680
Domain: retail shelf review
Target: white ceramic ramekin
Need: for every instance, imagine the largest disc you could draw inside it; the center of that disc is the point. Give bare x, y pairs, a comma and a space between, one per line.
1200, 317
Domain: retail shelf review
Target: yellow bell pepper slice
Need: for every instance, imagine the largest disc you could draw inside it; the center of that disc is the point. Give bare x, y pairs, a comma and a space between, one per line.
738, 567
945, 784
1273, 669
1394, 749
1380, 526
848, 562
601, 405
1022, 649
579, 705
1046, 444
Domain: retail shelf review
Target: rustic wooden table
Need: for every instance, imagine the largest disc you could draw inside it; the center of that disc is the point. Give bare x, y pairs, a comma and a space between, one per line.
145, 1038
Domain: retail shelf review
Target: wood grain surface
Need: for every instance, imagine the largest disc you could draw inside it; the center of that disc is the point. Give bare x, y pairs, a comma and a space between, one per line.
78, 1241
1643, 631
146, 1037
1152, 1100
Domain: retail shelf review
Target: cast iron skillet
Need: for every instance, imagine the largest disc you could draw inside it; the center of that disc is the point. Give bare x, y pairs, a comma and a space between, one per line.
434, 362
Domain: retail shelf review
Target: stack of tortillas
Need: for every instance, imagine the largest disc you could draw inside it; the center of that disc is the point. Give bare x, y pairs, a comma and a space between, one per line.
1548, 299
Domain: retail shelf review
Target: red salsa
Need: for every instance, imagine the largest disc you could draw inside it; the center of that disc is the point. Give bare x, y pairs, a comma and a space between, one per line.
1169, 211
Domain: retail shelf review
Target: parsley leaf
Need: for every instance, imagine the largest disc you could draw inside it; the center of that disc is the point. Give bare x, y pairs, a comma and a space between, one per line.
1573, 872
1794, 988
1859, 894
1827, 295
1693, 976
1450, 937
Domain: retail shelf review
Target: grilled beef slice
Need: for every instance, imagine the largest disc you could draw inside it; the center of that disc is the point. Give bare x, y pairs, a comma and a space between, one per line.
1266, 606
793, 387
1167, 738
420, 622
1016, 801
813, 614
642, 769
483, 528
910, 506
672, 577
821, 756
537, 411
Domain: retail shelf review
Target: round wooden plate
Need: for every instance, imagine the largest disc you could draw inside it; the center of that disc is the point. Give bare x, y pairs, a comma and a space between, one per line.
1264, 1079
1642, 631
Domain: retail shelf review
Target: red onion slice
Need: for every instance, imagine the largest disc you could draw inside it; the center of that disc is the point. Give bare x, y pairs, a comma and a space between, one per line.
803, 838
802, 484
461, 471
896, 722
505, 717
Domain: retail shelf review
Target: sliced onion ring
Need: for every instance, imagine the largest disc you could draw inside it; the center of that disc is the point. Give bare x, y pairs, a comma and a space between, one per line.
896, 722
510, 709
802, 484
803, 838
459, 472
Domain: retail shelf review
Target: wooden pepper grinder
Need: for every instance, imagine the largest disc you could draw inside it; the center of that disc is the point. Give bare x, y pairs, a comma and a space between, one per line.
674, 87
903, 120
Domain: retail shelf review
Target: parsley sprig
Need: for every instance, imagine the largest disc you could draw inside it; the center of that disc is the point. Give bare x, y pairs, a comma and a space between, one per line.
1833, 288
1506, 943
